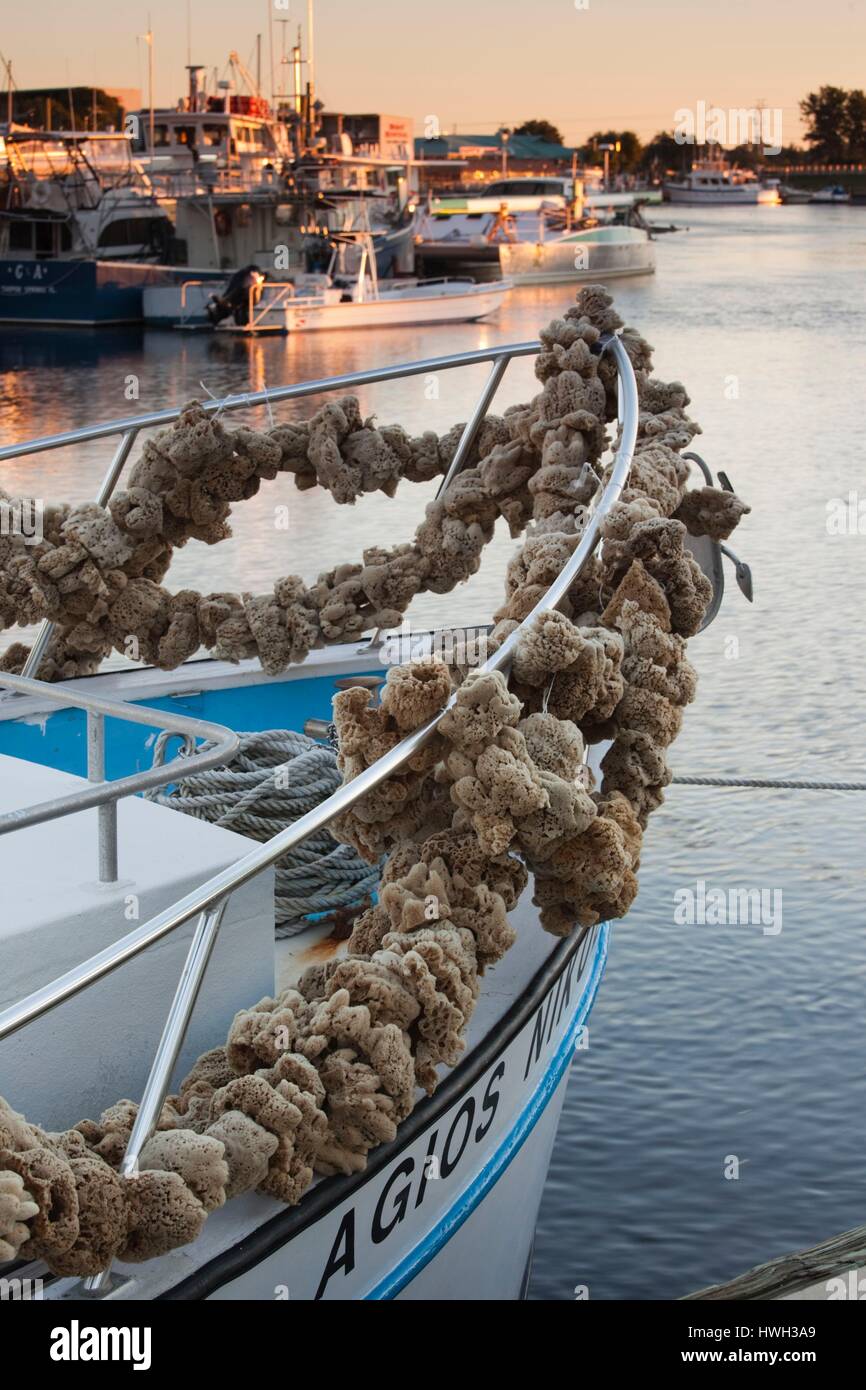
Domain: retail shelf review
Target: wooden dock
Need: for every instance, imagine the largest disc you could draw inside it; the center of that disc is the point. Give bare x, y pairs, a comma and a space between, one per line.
835, 1269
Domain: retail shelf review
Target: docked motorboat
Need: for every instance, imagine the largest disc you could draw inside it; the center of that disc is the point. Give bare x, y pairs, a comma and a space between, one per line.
465, 231
834, 194
785, 193
714, 182
592, 253
793, 197
250, 303
81, 229
366, 1111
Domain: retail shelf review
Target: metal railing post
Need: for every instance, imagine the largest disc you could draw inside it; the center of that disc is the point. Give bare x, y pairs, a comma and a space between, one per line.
168, 1051
473, 425
109, 483
107, 814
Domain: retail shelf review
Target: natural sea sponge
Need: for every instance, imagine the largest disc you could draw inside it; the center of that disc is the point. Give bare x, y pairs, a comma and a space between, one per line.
198, 1158
162, 1214
660, 544
247, 1149
413, 693
17, 1208
482, 709
259, 1036
550, 643
51, 1184
102, 1218
591, 876
496, 788
708, 511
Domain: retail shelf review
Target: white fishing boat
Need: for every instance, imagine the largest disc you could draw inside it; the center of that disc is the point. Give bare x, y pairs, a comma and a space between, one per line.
594, 253
133, 955
308, 303
714, 182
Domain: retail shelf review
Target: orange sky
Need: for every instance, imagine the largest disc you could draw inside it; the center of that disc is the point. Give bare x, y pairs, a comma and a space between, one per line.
474, 64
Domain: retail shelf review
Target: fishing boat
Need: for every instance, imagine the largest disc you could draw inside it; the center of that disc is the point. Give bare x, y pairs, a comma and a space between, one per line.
81, 230
154, 927
592, 253
226, 137
713, 182
313, 302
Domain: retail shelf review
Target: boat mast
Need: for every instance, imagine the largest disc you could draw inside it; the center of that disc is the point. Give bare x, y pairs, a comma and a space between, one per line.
310, 69
148, 38
271, 49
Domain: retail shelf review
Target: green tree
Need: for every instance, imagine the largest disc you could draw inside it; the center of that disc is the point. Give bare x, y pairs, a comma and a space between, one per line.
825, 113
623, 161
855, 125
543, 130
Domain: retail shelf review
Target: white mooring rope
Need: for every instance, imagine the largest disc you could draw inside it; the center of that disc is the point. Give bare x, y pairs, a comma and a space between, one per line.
276, 777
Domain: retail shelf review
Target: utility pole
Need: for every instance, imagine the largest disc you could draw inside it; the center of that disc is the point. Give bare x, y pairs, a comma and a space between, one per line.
9, 91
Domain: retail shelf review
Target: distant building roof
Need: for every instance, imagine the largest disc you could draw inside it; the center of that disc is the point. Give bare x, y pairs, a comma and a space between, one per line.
476, 146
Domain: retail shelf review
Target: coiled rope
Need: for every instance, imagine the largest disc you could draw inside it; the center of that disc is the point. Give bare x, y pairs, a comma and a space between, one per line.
275, 777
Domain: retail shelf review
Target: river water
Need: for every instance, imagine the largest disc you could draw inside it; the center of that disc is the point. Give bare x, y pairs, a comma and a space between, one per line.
716, 1118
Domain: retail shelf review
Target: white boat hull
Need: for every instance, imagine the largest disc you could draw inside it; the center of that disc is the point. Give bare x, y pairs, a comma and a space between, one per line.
448, 1211
393, 308
572, 260
737, 196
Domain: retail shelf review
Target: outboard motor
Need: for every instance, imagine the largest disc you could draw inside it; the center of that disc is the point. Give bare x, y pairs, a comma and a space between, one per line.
235, 300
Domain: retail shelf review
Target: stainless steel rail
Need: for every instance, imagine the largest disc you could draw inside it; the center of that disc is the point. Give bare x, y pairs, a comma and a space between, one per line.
129, 427
209, 900
263, 856
221, 743
269, 397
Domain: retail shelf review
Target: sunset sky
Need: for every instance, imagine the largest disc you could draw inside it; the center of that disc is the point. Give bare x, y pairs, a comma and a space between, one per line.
474, 64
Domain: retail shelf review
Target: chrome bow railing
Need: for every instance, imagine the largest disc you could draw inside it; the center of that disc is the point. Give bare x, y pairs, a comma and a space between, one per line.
222, 744
209, 901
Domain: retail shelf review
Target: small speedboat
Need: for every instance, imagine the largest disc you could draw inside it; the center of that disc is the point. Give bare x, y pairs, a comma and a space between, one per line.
320, 303
593, 253
312, 301
833, 193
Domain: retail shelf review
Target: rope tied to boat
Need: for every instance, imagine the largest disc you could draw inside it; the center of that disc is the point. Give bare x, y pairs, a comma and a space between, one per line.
773, 783
276, 777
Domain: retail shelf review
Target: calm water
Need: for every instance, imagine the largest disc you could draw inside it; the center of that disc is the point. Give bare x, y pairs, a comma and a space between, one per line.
706, 1042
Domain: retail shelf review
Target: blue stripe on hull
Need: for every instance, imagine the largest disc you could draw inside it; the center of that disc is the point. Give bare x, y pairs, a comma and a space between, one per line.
426, 1250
